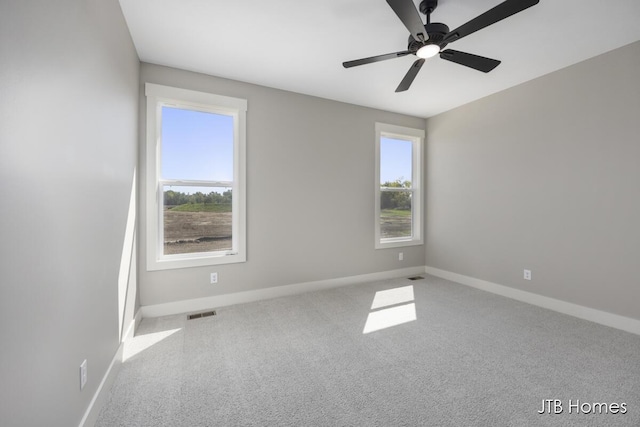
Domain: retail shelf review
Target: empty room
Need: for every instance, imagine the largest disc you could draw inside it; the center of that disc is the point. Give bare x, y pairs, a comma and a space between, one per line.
336, 213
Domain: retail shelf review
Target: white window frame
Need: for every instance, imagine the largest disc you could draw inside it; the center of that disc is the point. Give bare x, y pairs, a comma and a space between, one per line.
159, 96
416, 137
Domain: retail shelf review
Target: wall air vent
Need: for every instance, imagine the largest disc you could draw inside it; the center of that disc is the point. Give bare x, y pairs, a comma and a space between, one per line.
203, 314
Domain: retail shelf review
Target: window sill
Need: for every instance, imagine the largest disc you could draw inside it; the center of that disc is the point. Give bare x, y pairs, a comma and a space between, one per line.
397, 243
194, 261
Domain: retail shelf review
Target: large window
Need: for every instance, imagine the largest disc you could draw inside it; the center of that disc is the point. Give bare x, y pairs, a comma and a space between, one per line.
195, 178
398, 184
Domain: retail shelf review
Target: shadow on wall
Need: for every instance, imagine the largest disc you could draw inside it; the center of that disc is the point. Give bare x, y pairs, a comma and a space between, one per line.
127, 284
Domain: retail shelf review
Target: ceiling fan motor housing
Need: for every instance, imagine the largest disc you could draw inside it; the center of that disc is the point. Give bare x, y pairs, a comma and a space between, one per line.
436, 32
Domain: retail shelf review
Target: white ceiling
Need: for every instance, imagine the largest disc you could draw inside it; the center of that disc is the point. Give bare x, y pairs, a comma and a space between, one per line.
299, 45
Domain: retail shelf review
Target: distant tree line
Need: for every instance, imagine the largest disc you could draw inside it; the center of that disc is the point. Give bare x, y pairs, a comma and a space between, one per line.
396, 199
388, 199
176, 198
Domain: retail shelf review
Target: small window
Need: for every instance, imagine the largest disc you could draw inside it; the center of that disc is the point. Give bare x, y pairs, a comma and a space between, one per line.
398, 186
195, 178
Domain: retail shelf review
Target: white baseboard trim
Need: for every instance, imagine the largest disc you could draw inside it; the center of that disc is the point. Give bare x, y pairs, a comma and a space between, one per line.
100, 397
186, 306
602, 317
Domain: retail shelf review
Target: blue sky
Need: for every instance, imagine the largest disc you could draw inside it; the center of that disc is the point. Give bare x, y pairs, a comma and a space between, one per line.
395, 159
199, 146
196, 145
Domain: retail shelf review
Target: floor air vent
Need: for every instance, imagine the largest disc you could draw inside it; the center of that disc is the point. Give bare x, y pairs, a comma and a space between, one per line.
199, 315
415, 278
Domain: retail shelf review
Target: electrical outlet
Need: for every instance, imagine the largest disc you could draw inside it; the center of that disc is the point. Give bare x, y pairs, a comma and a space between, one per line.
527, 275
83, 374
214, 278
400, 256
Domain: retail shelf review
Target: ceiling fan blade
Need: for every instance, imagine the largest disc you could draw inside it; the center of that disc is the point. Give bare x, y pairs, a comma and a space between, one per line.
411, 74
371, 59
498, 13
479, 63
408, 14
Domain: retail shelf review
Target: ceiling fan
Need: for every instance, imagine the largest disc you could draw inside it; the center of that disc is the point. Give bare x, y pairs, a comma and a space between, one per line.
428, 40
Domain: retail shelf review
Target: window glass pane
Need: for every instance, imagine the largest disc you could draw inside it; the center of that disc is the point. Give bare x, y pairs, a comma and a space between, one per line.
196, 219
395, 162
196, 145
395, 214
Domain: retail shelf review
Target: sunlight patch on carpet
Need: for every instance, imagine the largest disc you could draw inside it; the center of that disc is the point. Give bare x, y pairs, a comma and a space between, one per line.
389, 317
140, 343
395, 314
392, 297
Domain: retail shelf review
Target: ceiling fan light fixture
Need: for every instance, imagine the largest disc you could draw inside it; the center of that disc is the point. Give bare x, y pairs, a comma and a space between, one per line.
428, 51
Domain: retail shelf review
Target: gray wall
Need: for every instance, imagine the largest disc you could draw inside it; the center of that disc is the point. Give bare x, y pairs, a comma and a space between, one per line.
68, 150
310, 192
544, 176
